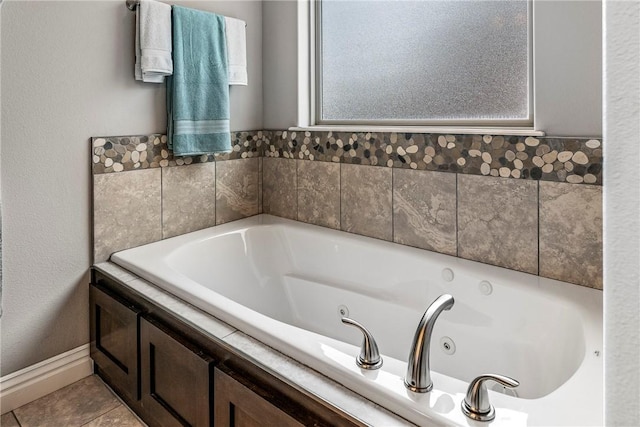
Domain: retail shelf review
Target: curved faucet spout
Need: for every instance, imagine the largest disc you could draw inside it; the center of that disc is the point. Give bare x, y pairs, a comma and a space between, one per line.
418, 377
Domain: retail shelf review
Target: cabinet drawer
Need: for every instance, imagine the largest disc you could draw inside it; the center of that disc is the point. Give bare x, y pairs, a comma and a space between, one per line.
237, 406
175, 378
114, 340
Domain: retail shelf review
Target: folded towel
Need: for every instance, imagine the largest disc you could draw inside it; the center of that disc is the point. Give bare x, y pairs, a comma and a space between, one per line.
198, 91
235, 30
153, 42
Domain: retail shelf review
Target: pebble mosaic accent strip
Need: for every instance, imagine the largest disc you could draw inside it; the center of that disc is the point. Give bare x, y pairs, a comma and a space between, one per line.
573, 160
124, 153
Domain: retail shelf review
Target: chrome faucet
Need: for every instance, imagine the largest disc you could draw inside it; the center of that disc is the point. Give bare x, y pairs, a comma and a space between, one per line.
418, 377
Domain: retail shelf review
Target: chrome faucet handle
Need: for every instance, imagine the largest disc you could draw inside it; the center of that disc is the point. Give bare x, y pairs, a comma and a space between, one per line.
476, 404
369, 357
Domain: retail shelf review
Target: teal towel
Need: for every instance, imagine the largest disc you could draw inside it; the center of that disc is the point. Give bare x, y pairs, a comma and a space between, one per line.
198, 92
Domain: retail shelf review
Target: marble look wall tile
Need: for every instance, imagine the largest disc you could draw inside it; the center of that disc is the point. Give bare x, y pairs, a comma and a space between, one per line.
498, 222
73, 405
319, 193
571, 233
188, 198
237, 190
126, 211
424, 210
366, 201
279, 187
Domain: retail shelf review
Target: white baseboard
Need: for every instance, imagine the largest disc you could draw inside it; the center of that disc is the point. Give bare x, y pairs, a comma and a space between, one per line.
35, 381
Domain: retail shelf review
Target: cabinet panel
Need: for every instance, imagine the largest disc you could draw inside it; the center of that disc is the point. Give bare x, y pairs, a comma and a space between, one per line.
175, 378
237, 406
114, 340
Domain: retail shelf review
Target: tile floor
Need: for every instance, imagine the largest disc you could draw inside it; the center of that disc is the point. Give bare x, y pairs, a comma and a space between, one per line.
88, 403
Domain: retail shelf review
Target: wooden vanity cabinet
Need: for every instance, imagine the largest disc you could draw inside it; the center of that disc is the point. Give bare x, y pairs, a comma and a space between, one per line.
114, 340
237, 405
175, 378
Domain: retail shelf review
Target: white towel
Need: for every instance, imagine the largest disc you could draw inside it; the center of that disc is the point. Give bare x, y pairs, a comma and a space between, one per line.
235, 33
153, 42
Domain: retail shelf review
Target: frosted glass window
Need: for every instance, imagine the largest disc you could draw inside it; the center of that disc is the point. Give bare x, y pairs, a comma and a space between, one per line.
424, 61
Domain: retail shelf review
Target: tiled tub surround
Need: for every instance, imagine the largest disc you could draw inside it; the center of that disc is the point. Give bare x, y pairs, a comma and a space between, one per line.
548, 228
143, 206
167, 196
535, 221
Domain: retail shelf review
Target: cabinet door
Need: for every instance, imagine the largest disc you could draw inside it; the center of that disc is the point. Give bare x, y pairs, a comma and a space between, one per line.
175, 378
237, 406
114, 340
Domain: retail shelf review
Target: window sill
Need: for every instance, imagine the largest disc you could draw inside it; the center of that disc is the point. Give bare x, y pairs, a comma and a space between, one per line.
517, 131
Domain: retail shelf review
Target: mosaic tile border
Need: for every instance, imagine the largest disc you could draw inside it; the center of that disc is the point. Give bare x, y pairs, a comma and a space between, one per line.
572, 160
125, 153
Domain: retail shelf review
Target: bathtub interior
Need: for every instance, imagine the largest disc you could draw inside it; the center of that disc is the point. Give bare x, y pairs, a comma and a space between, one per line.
516, 332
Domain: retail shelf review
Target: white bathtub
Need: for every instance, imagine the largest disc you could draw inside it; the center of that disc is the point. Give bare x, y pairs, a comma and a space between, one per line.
284, 282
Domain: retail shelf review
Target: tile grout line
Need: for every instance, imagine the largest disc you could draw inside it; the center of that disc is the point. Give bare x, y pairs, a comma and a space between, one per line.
297, 192
162, 203
215, 192
393, 215
340, 189
120, 404
15, 417
457, 219
538, 234
339, 196
261, 171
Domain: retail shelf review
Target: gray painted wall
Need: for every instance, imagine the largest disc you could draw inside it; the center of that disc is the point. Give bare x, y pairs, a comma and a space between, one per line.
568, 67
567, 58
280, 64
622, 213
67, 75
